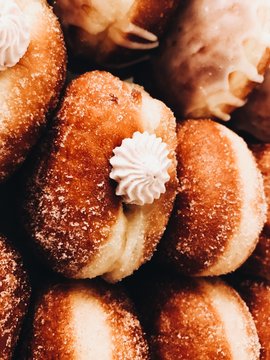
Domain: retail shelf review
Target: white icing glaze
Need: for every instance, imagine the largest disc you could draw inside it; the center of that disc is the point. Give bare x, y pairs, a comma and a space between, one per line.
209, 44
98, 17
140, 167
14, 34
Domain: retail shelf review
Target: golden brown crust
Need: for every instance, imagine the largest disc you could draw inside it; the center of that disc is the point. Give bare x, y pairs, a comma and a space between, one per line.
14, 298
259, 262
257, 296
53, 334
31, 87
71, 204
207, 207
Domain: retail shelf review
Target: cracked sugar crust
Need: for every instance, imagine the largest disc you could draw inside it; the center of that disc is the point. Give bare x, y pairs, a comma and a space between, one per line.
30, 89
14, 297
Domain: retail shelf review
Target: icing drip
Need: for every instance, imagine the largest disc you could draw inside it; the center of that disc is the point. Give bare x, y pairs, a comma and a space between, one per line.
14, 34
118, 33
140, 166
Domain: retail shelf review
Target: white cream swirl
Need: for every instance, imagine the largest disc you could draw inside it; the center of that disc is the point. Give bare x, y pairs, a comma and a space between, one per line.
14, 34
140, 166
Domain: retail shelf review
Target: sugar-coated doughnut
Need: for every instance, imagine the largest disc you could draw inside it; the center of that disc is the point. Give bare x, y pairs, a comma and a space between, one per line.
198, 319
220, 207
14, 297
113, 31
32, 71
257, 296
214, 55
258, 263
85, 321
72, 212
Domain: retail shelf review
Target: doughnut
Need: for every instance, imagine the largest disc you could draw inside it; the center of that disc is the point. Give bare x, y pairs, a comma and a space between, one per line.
259, 262
213, 56
257, 296
14, 297
103, 187
220, 207
32, 72
85, 321
198, 319
113, 32
254, 116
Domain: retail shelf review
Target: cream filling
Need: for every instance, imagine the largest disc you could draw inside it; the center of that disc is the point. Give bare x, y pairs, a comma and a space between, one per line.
253, 215
123, 252
110, 16
91, 332
236, 320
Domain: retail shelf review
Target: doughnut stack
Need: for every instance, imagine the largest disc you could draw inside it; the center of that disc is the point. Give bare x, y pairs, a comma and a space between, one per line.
134, 216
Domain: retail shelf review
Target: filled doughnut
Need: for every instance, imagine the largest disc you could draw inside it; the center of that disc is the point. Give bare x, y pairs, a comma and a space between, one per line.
32, 72
220, 207
14, 298
213, 56
254, 116
259, 262
113, 31
85, 321
257, 296
103, 188
198, 319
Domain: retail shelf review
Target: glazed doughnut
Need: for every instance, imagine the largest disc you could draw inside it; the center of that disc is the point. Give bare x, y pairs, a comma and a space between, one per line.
259, 261
254, 116
220, 207
199, 319
14, 298
79, 224
32, 72
213, 56
85, 321
113, 31
257, 296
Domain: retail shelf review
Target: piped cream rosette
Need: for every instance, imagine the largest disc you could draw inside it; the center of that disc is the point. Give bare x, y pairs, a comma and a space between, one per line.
14, 34
140, 166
